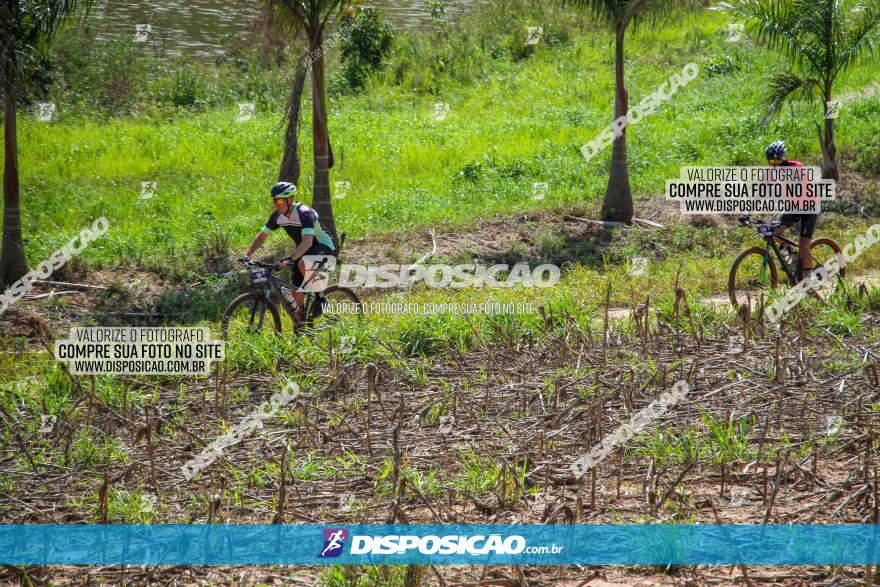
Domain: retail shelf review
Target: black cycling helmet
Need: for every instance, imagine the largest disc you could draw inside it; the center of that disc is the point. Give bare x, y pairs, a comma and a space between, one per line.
283, 189
776, 151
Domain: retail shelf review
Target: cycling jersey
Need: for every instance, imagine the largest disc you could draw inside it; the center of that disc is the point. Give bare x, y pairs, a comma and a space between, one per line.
304, 220
808, 221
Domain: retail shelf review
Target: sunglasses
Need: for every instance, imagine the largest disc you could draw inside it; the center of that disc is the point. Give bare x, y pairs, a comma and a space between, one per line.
279, 201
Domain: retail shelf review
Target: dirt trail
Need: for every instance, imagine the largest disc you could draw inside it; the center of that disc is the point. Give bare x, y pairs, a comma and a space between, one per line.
869, 279
544, 237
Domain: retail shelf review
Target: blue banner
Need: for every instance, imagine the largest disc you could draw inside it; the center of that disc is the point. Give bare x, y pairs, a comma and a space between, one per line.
440, 544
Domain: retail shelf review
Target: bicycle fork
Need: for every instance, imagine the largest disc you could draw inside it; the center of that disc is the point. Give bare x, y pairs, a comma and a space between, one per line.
764, 265
263, 307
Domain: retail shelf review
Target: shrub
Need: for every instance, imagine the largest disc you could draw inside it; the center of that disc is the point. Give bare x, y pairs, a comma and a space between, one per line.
868, 159
365, 47
185, 90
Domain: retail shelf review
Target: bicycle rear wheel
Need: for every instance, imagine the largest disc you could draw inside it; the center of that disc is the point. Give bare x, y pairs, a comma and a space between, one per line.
752, 273
823, 249
250, 315
342, 304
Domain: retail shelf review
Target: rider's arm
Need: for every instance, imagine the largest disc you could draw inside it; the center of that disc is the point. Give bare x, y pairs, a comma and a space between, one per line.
258, 242
303, 247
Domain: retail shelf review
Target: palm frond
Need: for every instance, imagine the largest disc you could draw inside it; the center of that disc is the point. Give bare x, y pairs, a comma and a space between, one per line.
658, 11
604, 11
858, 42
787, 87
288, 16
614, 11
780, 24
50, 17
27, 25
819, 21
292, 16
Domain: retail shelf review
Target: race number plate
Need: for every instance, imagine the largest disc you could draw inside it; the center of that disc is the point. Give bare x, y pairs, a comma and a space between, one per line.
258, 275
765, 230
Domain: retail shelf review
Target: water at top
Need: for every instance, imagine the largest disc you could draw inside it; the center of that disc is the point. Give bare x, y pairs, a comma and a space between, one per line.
196, 27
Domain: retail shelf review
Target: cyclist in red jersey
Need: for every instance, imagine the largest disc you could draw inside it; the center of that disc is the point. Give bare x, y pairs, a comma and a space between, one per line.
777, 156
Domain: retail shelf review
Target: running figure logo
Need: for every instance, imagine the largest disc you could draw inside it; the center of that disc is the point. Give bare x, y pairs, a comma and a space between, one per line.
334, 540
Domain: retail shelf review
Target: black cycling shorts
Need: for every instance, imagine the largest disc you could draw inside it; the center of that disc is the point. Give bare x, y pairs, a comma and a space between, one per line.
317, 249
807, 221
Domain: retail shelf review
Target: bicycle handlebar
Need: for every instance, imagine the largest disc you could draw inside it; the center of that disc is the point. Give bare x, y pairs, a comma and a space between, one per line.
250, 263
746, 220
274, 266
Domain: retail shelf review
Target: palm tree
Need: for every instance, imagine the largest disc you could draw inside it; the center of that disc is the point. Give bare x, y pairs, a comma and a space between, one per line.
620, 14
821, 39
290, 162
310, 17
24, 26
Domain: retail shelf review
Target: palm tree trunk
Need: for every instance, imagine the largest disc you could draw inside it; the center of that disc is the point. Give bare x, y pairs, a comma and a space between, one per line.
618, 204
290, 163
12, 261
321, 142
829, 148
826, 143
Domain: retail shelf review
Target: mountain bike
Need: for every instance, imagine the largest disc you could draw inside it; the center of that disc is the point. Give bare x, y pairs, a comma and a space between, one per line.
755, 270
256, 312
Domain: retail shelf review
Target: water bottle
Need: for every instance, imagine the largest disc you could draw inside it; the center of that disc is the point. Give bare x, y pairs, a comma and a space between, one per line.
788, 256
285, 291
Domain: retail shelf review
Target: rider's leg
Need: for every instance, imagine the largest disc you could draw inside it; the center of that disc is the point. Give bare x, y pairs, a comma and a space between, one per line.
786, 220
806, 257
311, 280
312, 283
808, 227
298, 294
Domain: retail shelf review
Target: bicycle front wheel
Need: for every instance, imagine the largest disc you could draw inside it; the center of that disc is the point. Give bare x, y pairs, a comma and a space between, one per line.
250, 315
752, 273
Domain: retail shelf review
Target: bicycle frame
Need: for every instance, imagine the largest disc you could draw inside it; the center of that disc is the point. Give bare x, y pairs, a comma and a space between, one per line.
275, 283
258, 298
771, 244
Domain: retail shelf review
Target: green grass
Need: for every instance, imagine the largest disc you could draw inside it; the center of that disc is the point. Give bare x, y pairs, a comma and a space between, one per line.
522, 123
368, 576
515, 118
